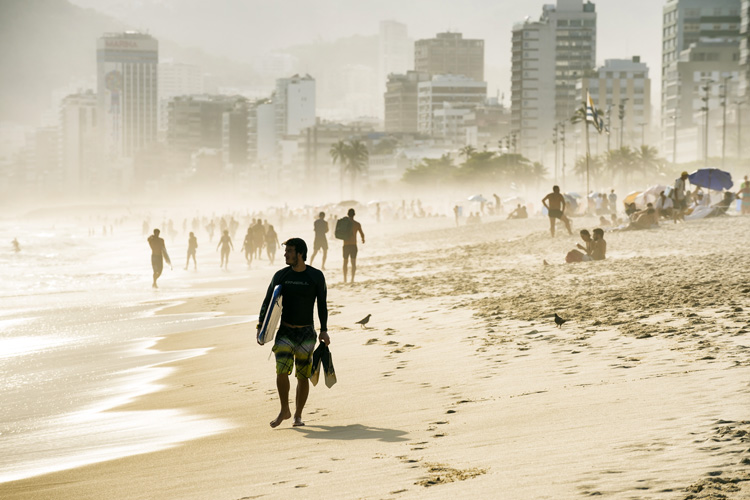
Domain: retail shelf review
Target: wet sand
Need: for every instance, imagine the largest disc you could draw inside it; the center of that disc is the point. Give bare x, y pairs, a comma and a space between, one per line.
462, 386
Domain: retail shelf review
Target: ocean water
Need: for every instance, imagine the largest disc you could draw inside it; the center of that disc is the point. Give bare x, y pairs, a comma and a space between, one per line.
78, 326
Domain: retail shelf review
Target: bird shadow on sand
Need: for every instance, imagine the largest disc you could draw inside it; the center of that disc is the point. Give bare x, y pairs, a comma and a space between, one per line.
352, 432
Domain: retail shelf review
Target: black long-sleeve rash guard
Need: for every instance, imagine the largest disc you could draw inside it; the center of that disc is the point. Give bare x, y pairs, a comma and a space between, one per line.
299, 292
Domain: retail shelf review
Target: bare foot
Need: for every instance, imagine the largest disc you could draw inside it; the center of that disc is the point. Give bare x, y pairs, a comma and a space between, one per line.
283, 415
298, 422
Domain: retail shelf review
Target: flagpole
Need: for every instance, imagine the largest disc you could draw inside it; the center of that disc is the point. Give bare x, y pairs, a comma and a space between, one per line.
588, 156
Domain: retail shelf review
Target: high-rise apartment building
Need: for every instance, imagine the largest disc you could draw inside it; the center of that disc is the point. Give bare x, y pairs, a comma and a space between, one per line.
176, 79
745, 49
294, 102
699, 73
261, 132
79, 142
127, 90
401, 101
686, 22
197, 122
621, 87
444, 98
395, 51
450, 53
549, 56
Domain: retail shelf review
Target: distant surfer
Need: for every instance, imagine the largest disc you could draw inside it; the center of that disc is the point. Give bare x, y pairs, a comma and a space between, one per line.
158, 255
226, 246
17, 246
301, 287
555, 205
192, 247
350, 244
320, 226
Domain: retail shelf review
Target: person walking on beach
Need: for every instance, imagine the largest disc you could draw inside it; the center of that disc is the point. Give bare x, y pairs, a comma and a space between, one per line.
226, 246
158, 255
192, 247
301, 287
272, 243
320, 226
555, 205
350, 244
248, 245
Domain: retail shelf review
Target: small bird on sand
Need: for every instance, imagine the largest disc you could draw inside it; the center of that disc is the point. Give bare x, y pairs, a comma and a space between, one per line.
559, 321
545, 262
364, 321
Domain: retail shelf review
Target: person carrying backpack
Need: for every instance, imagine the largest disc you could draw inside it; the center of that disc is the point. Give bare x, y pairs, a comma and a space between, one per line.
350, 240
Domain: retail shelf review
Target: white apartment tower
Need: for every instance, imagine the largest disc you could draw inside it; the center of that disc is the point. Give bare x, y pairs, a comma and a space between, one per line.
443, 100
294, 103
395, 52
79, 142
549, 56
686, 22
127, 90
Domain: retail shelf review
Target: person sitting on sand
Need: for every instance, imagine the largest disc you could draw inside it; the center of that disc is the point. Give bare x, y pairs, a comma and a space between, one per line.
598, 245
630, 209
603, 221
644, 219
519, 213
582, 252
664, 206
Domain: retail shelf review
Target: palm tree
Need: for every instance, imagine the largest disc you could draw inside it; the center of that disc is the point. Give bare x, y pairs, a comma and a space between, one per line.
621, 161
648, 160
357, 159
467, 151
340, 154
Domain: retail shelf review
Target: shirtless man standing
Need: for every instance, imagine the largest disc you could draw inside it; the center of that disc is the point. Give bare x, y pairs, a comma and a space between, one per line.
350, 244
158, 255
555, 205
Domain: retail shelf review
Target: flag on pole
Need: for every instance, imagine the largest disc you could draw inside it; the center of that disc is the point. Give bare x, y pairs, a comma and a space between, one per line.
592, 115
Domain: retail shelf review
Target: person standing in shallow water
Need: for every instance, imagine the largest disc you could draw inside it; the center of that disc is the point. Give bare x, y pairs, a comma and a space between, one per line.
158, 255
226, 246
192, 247
555, 205
301, 287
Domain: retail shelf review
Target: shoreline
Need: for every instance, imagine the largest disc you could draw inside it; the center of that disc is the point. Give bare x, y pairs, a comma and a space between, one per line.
462, 384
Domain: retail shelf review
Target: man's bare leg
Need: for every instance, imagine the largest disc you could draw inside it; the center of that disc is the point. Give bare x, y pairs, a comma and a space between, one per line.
552, 226
566, 221
354, 267
282, 384
312, 259
345, 268
325, 254
303, 389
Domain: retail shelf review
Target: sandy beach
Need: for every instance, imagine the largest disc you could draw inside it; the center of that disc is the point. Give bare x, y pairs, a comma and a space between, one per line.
463, 386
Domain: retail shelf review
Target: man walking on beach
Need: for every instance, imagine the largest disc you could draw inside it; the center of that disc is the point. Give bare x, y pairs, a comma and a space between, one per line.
301, 286
158, 255
350, 244
555, 205
320, 226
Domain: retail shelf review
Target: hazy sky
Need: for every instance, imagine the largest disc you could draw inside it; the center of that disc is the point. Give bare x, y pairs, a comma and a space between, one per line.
243, 29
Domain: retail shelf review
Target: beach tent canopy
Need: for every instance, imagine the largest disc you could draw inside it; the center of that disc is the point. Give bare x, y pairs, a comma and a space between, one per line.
477, 197
711, 178
630, 198
349, 203
650, 195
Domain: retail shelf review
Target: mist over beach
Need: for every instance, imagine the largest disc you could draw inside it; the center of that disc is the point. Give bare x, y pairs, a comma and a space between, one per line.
509, 241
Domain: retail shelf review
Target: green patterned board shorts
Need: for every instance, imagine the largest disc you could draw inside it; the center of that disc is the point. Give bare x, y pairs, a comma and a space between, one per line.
294, 347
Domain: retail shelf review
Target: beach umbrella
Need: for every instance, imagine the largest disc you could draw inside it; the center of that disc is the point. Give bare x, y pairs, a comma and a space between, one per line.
572, 201
630, 198
349, 203
477, 197
711, 178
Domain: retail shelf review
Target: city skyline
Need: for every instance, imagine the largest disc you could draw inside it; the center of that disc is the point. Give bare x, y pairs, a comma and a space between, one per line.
244, 35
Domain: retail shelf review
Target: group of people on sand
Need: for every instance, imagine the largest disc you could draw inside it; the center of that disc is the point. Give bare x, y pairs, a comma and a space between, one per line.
593, 248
